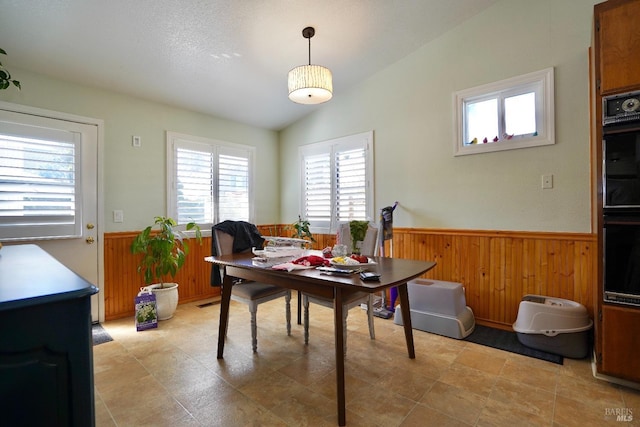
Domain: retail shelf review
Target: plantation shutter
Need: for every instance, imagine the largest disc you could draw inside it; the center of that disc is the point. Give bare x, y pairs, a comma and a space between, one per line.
233, 184
337, 181
39, 182
351, 185
209, 182
194, 186
317, 189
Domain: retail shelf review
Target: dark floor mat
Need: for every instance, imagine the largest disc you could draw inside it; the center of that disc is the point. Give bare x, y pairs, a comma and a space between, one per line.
508, 341
99, 334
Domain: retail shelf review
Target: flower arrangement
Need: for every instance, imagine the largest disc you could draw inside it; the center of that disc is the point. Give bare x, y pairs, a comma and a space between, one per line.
146, 312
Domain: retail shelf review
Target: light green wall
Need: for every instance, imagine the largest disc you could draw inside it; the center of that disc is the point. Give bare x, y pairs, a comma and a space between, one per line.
135, 178
409, 106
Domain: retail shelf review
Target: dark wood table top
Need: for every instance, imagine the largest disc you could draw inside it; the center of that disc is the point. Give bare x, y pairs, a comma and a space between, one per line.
393, 272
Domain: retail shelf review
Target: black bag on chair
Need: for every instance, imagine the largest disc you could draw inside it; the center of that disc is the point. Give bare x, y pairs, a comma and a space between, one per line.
245, 236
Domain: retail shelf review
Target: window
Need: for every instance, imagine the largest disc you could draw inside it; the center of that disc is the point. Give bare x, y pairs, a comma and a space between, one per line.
510, 114
337, 181
39, 182
209, 181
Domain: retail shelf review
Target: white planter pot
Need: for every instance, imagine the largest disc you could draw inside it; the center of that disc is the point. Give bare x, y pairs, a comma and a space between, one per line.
166, 299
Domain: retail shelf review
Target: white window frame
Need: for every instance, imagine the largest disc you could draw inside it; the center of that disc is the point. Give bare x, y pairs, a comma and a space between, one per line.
178, 140
541, 82
362, 140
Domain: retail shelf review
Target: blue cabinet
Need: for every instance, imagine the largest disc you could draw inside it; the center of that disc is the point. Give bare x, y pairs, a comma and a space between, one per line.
46, 353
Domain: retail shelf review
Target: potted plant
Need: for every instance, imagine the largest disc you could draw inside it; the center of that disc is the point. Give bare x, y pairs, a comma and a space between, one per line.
5, 77
163, 254
358, 231
301, 229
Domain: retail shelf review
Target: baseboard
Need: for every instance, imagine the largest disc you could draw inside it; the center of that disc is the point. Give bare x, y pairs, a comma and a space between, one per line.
611, 379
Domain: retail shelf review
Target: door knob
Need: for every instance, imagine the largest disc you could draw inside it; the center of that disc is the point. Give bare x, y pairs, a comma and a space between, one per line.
90, 240
90, 226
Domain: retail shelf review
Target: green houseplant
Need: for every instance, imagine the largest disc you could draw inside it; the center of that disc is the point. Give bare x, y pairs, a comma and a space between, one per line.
301, 229
5, 76
164, 251
358, 231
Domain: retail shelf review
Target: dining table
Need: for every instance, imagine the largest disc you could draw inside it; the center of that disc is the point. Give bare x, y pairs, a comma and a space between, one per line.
393, 272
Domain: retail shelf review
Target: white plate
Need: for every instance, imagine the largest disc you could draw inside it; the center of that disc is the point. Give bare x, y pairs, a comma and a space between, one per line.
352, 266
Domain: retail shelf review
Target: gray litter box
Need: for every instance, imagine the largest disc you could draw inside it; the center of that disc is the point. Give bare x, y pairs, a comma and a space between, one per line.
554, 325
438, 307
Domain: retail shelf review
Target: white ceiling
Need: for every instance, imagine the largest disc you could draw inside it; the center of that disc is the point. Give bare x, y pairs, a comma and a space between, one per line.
227, 58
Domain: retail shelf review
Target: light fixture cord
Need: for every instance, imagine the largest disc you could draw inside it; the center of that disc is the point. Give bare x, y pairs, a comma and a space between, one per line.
309, 50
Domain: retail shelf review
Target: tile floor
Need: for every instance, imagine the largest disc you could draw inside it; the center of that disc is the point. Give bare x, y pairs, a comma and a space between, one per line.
170, 377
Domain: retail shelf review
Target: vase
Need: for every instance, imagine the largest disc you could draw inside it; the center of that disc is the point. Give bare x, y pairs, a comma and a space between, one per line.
166, 299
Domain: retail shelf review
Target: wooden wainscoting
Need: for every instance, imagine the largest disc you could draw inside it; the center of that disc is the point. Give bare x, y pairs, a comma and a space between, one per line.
122, 281
496, 267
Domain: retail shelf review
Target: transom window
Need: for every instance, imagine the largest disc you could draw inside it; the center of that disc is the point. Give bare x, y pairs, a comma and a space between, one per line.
509, 114
209, 181
337, 181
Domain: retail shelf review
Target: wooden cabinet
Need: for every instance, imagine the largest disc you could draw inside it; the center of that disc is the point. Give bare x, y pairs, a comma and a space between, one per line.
46, 353
617, 27
620, 343
615, 69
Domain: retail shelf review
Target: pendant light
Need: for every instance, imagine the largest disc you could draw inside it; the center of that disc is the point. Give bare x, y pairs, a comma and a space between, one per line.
310, 84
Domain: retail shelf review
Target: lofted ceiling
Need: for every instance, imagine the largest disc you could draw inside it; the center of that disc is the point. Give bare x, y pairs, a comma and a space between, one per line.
227, 58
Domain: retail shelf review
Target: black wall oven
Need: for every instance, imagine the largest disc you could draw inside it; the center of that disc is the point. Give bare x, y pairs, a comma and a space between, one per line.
621, 198
622, 259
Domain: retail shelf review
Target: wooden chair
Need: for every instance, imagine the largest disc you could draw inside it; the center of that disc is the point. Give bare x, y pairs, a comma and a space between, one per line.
369, 248
252, 293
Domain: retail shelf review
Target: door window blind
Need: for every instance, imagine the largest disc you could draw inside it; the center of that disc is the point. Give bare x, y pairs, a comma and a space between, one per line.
39, 182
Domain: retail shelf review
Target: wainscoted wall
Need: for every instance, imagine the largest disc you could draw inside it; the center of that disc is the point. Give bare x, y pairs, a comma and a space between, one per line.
496, 267
122, 281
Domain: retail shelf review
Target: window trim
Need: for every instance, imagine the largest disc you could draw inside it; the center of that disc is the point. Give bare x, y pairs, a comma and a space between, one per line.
365, 140
545, 115
217, 146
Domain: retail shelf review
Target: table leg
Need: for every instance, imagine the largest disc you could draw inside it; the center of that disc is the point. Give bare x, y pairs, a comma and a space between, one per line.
406, 319
227, 284
339, 333
299, 308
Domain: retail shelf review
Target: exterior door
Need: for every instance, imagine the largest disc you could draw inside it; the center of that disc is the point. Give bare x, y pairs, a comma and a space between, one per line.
79, 250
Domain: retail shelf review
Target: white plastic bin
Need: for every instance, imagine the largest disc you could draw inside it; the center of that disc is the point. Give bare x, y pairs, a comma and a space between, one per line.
554, 325
438, 307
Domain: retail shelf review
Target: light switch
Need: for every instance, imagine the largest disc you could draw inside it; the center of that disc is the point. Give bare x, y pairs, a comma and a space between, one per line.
547, 181
136, 141
118, 216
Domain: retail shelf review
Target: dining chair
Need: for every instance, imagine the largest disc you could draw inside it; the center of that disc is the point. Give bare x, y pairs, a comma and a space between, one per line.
368, 248
251, 293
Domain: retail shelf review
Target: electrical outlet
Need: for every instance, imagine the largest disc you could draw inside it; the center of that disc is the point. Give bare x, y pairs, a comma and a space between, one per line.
547, 181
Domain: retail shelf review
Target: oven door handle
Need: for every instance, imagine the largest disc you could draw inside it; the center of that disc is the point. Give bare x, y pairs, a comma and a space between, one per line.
621, 222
